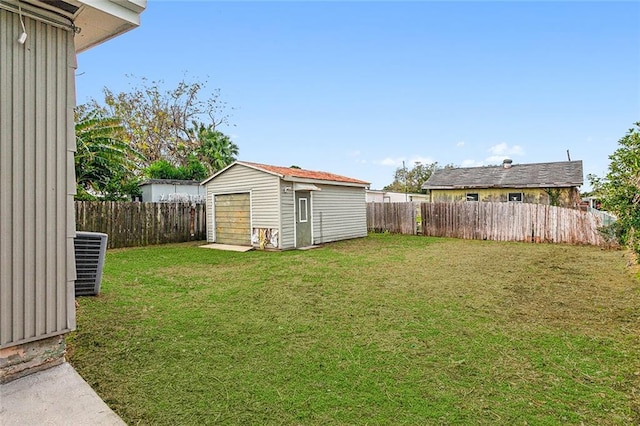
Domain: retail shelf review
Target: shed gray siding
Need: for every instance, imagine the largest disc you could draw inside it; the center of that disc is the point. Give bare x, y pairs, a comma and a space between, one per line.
265, 196
287, 234
339, 212
37, 266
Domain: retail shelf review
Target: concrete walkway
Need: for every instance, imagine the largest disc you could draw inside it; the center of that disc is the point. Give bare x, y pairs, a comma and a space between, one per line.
228, 247
56, 396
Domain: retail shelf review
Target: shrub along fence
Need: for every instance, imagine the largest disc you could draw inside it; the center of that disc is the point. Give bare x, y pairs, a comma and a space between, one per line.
488, 221
131, 224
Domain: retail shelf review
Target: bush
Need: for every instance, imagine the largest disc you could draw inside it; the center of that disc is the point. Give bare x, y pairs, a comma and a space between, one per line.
162, 169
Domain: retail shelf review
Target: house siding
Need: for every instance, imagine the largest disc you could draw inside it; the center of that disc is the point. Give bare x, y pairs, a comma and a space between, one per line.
530, 195
339, 212
287, 236
37, 97
264, 189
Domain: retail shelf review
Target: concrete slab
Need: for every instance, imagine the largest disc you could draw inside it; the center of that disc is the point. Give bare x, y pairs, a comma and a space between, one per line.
56, 396
227, 247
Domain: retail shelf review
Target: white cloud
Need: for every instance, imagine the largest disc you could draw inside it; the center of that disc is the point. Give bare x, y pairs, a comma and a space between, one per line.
471, 163
503, 148
393, 162
354, 153
460, 144
502, 151
410, 162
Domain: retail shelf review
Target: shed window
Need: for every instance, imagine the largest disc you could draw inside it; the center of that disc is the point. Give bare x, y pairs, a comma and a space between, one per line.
473, 196
303, 214
515, 197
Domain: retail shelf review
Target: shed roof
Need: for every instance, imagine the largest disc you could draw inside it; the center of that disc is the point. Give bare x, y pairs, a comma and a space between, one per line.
295, 174
535, 175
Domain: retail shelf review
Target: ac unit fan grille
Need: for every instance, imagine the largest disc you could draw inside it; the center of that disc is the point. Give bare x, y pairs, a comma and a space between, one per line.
90, 248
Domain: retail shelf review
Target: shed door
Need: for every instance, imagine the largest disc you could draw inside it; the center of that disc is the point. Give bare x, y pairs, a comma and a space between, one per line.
303, 218
233, 219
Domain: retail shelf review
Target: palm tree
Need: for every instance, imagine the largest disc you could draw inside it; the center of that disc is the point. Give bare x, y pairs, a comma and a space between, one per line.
216, 149
104, 162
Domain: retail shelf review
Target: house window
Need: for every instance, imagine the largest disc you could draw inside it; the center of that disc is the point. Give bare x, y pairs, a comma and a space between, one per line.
515, 197
473, 196
303, 214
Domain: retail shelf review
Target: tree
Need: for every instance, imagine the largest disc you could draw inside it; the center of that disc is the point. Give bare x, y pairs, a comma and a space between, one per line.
162, 169
216, 150
619, 190
105, 164
411, 180
160, 124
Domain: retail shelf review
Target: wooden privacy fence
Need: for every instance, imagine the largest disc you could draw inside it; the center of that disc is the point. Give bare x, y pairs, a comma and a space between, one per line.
490, 221
397, 218
131, 224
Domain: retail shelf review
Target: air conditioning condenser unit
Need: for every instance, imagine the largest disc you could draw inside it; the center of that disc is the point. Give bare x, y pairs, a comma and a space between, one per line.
90, 250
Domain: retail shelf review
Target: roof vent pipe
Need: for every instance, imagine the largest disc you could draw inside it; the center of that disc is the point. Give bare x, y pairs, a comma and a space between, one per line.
507, 163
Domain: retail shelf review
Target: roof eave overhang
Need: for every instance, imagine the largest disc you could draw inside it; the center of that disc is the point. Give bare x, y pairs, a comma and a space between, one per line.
324, 182
539, 185
93, 21
102, 20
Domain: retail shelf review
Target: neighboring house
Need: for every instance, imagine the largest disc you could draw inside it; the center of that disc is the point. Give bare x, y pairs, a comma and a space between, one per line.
283, 208
594, 205
381, 196
38, 45
172, 190
543, 183
590, 203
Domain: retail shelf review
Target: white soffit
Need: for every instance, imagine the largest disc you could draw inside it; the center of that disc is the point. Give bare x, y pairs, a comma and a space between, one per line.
101, 20
94, 21
297, 186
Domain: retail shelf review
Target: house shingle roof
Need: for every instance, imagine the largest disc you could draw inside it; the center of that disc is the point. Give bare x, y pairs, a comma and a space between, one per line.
535, 175
303, 174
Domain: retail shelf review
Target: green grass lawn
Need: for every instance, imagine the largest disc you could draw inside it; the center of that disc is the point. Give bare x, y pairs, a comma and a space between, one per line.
387, 329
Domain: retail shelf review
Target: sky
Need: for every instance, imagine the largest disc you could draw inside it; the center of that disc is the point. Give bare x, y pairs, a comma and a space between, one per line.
357, 88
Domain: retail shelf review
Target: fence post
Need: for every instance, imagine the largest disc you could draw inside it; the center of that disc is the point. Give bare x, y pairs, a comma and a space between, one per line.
488, 220
130, 224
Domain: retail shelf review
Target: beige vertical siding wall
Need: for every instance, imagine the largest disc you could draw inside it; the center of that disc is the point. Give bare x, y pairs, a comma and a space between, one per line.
37, 266
339, 212
264, 190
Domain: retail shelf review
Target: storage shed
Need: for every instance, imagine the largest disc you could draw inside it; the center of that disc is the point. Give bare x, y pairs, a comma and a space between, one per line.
283, 207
